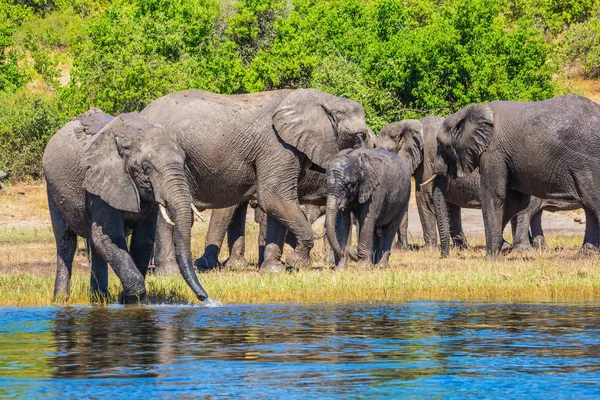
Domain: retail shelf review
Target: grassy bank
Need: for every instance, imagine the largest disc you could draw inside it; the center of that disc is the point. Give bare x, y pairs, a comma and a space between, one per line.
27, 266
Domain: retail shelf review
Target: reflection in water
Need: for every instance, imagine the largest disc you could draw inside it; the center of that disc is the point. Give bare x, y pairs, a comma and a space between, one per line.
346, 350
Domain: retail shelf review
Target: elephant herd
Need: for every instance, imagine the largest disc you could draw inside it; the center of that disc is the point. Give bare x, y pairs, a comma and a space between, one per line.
147, 174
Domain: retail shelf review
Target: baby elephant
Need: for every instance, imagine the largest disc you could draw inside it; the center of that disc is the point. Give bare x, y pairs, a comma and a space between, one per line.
374, 185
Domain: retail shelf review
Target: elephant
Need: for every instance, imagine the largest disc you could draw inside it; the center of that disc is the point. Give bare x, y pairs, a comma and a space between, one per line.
254, 147
4, 175
459, 192
104, 181
374, 185
312, 192
547, 149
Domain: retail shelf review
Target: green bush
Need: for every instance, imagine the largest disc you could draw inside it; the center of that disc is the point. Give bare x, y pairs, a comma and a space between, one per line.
582, 46
27, 121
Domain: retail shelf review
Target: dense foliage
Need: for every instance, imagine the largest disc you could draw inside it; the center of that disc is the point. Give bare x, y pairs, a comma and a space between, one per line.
399, 58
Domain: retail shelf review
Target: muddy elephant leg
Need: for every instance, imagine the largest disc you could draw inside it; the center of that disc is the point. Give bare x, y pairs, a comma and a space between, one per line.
366, 236
164, 249
493, 195
66, 246
275, 237
99, 274
456, 229
236, 239
515, 203
142, 243
108, 238
291, 216
220, 219
520, 228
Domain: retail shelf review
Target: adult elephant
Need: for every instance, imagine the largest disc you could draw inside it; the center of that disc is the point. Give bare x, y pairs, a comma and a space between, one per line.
255, 146
104, 181
402, 137
548, 149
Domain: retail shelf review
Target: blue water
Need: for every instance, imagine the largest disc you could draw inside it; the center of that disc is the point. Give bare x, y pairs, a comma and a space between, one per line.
419, 349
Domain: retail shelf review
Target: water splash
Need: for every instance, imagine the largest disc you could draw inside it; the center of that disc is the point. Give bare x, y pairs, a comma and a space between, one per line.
212, 303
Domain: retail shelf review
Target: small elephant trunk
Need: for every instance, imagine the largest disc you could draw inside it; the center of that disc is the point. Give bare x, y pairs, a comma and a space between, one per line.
332, 208
443, 222
179, 199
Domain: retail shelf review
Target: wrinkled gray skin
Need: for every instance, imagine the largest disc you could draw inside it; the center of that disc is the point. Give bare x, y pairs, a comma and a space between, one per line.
312, 192
459, 192
254, 147
374, 185
547, 149
104, 181
3, 176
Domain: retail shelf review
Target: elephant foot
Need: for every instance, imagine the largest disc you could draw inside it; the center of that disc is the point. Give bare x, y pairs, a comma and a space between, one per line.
206, 263
506, 247
588, 249
236, 261
133, 299
298, 260
539, 242
166, 268
273, 266
401, 245
522, 247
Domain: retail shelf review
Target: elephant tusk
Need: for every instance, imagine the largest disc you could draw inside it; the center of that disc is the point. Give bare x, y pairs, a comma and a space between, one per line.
428, 181
165, 214
197, 213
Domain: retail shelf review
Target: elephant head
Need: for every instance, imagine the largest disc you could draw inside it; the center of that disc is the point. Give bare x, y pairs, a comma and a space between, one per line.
132, 161
352, 176
319, 124
4, 175
462, 139
404, 138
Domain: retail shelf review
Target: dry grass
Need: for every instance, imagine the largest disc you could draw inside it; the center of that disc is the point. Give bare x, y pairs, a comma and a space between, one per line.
27, 257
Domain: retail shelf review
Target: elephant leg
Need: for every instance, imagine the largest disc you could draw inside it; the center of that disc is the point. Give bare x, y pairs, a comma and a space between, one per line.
385, 243
108, 238
343, 227
275, 237
142, 243
427, 216
164, 249
591, 238
520, 228
66, 246
403, 233
99, 275
220, 220
366, 233
493, 195
456, 229
537, 233
236, 239
292, 217
515, 203
261, 218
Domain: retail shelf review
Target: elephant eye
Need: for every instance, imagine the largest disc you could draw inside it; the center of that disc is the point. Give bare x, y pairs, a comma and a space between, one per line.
146, 167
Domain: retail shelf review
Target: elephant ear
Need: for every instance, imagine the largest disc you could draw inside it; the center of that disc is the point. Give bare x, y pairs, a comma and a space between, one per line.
372, 168
106, 174
411, 143
319, 124
472, 136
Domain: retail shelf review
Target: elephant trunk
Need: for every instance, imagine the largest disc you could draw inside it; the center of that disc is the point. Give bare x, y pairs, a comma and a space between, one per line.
332, 208
179, 200
441, 213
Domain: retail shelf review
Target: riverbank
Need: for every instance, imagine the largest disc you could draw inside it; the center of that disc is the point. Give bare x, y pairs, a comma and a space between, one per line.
27, 267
